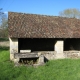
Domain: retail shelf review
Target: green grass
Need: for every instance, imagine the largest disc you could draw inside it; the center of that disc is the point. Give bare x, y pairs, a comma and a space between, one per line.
4, 39
64, 69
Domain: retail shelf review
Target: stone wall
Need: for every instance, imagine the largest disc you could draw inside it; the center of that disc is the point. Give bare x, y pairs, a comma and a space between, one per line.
49, 55
13, 47
72, 54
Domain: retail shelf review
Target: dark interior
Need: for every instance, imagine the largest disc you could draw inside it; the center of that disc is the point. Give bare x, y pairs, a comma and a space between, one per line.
28, 61
36, 44
71, 44
47, 44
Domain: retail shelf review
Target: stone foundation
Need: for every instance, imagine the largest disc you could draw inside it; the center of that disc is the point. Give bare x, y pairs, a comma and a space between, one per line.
48, 54
72, 54
44, 56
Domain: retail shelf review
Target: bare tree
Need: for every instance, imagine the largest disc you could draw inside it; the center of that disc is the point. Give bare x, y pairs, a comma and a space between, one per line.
3, 24
71, 13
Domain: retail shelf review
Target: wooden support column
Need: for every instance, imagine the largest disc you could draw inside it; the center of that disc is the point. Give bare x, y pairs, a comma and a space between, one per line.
13, 47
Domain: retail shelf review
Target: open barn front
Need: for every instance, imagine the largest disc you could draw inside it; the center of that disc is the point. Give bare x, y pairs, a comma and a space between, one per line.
41, 36
72, 44
36, 44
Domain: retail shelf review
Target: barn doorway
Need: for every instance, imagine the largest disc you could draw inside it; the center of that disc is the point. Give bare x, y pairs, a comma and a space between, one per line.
72, 44
36, 44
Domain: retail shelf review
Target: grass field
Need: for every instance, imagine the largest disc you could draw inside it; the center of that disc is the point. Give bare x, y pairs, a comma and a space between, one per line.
65, 69
4, 39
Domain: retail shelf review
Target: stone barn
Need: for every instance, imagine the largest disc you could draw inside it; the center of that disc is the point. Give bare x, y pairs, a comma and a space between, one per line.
43, 37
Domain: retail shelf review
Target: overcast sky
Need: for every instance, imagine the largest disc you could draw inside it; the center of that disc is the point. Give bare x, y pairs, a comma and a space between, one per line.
45, 7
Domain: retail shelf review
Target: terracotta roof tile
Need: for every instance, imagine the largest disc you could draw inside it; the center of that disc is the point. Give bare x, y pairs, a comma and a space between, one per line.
41, 26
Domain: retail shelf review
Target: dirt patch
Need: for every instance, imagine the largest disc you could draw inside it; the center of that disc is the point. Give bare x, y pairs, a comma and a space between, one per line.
4, 43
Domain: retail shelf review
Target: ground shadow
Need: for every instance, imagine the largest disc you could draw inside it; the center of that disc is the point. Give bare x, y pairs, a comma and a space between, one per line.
3, 48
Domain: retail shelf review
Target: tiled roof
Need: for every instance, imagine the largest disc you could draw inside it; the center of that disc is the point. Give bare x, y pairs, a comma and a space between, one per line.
41, 26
